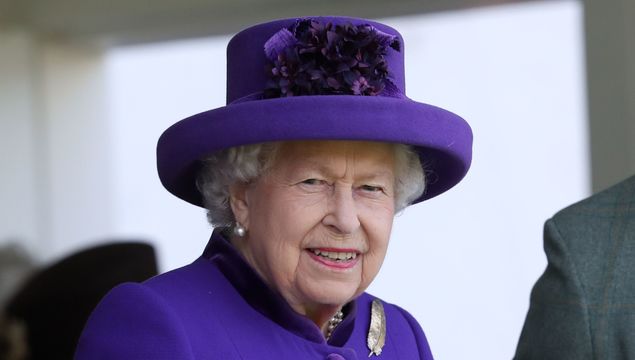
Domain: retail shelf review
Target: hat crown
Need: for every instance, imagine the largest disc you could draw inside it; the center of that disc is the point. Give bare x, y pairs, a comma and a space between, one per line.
247, 61
356, 69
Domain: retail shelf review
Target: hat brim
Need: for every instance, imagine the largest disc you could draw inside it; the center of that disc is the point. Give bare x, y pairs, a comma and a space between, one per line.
442, 139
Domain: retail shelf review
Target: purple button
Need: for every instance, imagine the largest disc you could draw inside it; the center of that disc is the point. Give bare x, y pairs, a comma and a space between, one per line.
335, 357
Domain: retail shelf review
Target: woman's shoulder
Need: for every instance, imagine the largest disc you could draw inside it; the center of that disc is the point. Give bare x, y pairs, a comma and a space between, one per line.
200, 274
399, 314
161, 318
160, 294
195, 291
119, 325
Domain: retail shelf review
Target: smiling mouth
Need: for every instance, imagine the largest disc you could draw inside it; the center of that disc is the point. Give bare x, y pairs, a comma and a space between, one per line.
337, 256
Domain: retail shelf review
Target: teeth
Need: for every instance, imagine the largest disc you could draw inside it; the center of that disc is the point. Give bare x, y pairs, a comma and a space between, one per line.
338, 256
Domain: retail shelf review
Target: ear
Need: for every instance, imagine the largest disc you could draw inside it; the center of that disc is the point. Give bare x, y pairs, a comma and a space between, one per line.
239, 204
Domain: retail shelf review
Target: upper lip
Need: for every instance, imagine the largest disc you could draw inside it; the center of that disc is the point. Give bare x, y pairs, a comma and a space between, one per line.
338, 250
335, 253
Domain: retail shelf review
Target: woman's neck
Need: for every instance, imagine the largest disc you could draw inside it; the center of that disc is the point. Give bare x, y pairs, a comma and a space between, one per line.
322, 315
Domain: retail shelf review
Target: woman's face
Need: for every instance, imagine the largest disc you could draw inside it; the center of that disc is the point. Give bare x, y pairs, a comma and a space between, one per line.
319, 219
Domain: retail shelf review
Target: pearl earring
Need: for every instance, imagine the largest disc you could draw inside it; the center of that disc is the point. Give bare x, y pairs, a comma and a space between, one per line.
239, 230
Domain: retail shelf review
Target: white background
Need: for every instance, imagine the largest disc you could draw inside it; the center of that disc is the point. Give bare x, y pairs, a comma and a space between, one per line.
463, 264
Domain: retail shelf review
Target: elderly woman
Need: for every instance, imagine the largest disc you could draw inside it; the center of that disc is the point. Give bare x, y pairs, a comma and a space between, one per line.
302, 173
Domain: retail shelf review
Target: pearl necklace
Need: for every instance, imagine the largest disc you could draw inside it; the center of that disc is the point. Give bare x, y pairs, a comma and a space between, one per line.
333, 322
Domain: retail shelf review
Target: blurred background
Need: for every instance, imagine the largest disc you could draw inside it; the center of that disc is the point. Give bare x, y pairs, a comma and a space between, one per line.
87, 87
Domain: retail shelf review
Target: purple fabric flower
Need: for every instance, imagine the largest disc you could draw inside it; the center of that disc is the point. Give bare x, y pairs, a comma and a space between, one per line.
312, 58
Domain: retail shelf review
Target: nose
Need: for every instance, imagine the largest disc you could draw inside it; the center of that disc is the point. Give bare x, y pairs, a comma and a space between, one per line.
342, 215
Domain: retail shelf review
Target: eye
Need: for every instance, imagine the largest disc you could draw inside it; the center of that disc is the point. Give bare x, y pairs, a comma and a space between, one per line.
372, 188
313, 182
313, 185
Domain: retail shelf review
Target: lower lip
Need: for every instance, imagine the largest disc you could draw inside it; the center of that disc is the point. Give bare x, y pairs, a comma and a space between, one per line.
334, 264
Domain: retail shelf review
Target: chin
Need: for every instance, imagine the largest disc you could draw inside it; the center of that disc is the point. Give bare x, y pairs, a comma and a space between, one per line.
332, 294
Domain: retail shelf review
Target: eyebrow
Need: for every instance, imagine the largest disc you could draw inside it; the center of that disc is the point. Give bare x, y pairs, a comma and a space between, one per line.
325, 169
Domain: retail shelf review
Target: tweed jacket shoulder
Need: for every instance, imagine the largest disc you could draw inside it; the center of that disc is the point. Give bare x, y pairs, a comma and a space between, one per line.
583, 306
195, 313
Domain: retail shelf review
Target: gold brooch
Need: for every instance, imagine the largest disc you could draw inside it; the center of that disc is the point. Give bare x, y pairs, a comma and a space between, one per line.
377, 330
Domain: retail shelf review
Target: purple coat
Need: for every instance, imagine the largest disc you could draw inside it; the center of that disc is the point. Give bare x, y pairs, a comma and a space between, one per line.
218, 308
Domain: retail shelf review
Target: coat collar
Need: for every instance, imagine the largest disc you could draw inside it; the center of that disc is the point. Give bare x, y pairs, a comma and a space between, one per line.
266, 301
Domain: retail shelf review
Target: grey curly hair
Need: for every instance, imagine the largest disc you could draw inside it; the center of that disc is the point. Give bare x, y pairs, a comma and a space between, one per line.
248, 162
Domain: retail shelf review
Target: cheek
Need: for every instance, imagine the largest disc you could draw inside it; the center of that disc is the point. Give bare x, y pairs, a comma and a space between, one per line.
371, 264
377, 222
377, 252
271, 241
294, 219
378, 229
283, 226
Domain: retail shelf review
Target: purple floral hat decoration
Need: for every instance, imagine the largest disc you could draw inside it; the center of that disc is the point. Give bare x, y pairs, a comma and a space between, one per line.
313, 58
318, 78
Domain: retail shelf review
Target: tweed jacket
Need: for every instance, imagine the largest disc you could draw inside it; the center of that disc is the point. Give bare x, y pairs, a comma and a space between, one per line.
583, 306
217, 308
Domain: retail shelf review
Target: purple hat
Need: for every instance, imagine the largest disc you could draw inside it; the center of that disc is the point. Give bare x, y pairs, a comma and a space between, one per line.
318, 78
